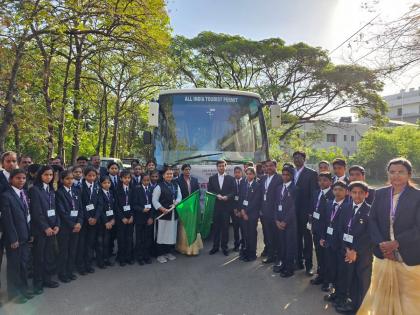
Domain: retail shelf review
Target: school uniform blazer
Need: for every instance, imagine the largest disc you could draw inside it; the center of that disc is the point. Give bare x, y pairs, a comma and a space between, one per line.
121, 202
306, 185
253, 196
359, 229
94, 199
228, 189
332, 241
406, 224
14, 219
102, 171
268, 207
64, 206
4, 186
39, 205
135, 182
140, 199
371, 196
287, 202
106, 205
236, 202
184, 187
318, 225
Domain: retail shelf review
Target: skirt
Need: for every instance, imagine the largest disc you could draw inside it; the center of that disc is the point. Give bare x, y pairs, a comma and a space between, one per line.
182, 243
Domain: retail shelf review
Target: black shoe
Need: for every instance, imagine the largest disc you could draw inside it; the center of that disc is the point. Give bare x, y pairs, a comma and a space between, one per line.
38, 290
102, 266
278, 268
108, 263
286, 274
249, 259
122, 263
63, 279
330, 297
242, 257
141, 262
213, 251
300, 266
325, 287
90, 270
317, 281
309, 273
236, 249
225, 252
268, 260
27, 295
72, 276
264, 253
51, 284
82, 273
147, 261
131, 262
345, 307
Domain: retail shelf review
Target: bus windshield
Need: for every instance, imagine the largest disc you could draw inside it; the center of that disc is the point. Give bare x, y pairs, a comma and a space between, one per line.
204, 127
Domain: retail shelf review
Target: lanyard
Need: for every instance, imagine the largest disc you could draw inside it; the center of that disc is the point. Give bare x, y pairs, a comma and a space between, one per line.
319, 200
249, 186
126, 195
49, 199
145, 193
334, 213
393, 209
72, 199
267, 182
352, 217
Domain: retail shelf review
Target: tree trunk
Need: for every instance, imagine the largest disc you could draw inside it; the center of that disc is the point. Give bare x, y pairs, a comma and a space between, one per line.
60, 142
105, 137
114, 138
76, 100
17, 138
10, 96
101, 109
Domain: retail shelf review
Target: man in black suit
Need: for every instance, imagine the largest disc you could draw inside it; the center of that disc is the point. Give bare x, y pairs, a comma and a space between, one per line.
357, 173
306, 182
356, 247
223, 186
17, 235
95, 160
269, 185
186, 182
9, 163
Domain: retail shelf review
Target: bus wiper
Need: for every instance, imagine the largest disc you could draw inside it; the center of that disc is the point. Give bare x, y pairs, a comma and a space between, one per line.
197, 156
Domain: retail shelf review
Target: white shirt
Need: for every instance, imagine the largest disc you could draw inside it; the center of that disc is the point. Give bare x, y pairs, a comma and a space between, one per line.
297, 173
285, 185
67, 189
46, 187
17, 191
6, 174
125, 187
338, 202
106, 192
358, 207
268, 181
114, 179
342, 178
221, 179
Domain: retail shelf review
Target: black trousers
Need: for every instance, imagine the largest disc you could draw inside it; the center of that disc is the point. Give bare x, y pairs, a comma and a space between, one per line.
249, 236
17, 270
143, 240
304, 242
236, 224
355, 279
125, 241
103, 244
271, 236
320, 257
44, 259
221, 228
67, 244
1, 252
333, 258
287, 246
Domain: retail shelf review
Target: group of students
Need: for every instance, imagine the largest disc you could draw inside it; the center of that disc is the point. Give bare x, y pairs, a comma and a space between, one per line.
62, 225
87, 208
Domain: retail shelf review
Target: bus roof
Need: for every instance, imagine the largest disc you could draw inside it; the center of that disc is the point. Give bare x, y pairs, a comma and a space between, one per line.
209, 91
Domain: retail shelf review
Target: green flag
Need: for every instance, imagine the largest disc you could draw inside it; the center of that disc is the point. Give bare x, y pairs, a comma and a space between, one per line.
207, 220
189, 214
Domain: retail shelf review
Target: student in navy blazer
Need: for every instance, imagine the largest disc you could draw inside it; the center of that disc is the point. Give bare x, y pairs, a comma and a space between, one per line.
330, 235
250, 205
17, 235
143, 219
69, 208
320, 200
91, 205
269, 185
286, 222
45, 225
356, 249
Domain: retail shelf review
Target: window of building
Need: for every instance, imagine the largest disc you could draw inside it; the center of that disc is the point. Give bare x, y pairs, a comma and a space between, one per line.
345, 137
331, 137
352, 138
399, 111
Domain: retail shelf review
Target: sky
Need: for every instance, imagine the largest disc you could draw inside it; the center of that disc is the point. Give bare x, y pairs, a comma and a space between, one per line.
321, 23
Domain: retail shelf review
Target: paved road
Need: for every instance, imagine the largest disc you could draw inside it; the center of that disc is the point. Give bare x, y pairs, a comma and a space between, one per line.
204, 285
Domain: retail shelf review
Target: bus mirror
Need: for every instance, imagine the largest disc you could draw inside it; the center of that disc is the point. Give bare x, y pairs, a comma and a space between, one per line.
147, 137
153, 114
275, 113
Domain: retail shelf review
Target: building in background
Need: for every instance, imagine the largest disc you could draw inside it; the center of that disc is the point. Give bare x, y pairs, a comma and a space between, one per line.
344, 134
404, 106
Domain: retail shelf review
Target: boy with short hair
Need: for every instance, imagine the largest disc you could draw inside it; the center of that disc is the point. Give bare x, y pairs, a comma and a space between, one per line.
339, 167
357, 173
356, 263
330, 236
